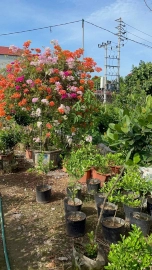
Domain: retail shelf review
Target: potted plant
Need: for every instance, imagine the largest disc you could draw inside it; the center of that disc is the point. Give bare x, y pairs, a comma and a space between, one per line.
72, 202
75, 223
93, 185
89, 255
128, 255
115, 161
43, 191
9, 137
142, 220
80, 161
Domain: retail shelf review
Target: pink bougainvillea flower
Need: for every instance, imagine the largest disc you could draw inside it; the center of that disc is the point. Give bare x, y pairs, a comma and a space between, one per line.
29, 81
64, 96
13, 48
34, 100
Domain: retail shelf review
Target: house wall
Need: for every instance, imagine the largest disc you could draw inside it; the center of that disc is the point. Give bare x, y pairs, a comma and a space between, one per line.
6, 59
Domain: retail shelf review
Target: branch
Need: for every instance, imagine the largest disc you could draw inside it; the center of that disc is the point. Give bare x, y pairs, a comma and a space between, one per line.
147, 5
104, 202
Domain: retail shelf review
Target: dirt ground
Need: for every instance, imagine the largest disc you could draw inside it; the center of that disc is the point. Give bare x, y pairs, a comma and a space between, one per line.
35, 232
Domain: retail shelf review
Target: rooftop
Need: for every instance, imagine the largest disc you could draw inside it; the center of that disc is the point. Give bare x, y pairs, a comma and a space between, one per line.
6, 51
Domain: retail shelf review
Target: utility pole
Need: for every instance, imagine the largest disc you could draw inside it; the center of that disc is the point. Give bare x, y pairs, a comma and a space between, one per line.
121, 32
105, 45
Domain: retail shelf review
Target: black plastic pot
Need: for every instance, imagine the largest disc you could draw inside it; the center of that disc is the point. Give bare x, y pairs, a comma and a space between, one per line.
99, 198
109, 209
93, 185
43, 193
128, 210
149, 205
111, 233
70, 192
68, 207
142, 220
75, 223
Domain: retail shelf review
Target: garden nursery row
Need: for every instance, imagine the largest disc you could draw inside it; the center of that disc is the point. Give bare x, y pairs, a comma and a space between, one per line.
75, 173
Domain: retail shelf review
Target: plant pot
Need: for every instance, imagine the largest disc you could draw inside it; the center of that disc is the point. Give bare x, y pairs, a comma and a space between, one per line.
70, 192
75, 223
82, 262
69, 205
99, 198
85, 177
130, 209
100, 176
6, 161
93, 185
112, 228
142, 220
43, 193
48, 156
149, 205
29, 154
109, 209
115, 169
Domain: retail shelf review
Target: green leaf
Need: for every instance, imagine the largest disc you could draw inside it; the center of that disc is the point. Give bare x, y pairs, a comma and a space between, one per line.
136, 158
129, 154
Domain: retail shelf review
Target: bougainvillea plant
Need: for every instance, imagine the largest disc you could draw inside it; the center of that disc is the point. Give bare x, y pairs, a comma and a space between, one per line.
54, 88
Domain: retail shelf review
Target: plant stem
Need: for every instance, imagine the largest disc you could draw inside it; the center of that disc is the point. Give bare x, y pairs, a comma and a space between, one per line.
104, 202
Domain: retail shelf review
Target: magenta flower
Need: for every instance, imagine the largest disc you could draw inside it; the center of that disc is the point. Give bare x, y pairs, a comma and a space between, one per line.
17, 87
20, 79
73, 95
34, 100
64, 96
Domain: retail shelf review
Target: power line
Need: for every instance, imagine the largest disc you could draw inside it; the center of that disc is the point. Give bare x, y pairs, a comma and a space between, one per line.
138, 29
40, 28
138, 42
101, 28
139, 37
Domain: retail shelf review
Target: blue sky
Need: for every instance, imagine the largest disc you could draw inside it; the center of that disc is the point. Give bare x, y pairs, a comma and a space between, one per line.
28, 14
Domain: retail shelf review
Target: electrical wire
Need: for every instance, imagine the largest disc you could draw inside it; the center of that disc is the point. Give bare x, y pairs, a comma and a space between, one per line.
139, 37
137, 29
40, 28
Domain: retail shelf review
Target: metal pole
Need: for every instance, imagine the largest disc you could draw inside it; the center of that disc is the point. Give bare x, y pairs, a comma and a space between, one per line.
105, 75
83, 37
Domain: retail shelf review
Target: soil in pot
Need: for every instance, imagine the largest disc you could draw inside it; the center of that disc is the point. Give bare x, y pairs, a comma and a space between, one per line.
149, 205
142, 220
43, 193
93, 185
75, 223
112, 228
109, 209
72, 205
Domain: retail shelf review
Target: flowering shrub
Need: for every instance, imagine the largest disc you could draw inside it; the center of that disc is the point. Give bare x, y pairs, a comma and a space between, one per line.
54, 88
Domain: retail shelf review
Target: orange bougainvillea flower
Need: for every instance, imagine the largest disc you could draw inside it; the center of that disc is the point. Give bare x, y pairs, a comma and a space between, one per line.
82, 81
37, 50
60, 110
16, 95
48, 134
8, 117
48, 97
22, 102
37, 81
48, 125
81, 88
26, 44
52, 103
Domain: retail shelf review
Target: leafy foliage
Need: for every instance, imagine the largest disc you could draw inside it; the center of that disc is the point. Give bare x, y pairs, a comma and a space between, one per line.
133, 252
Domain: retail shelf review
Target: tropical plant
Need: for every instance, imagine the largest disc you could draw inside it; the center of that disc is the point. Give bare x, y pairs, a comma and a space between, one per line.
91, 248
53, 87
133, 252
115, 159
133, 133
